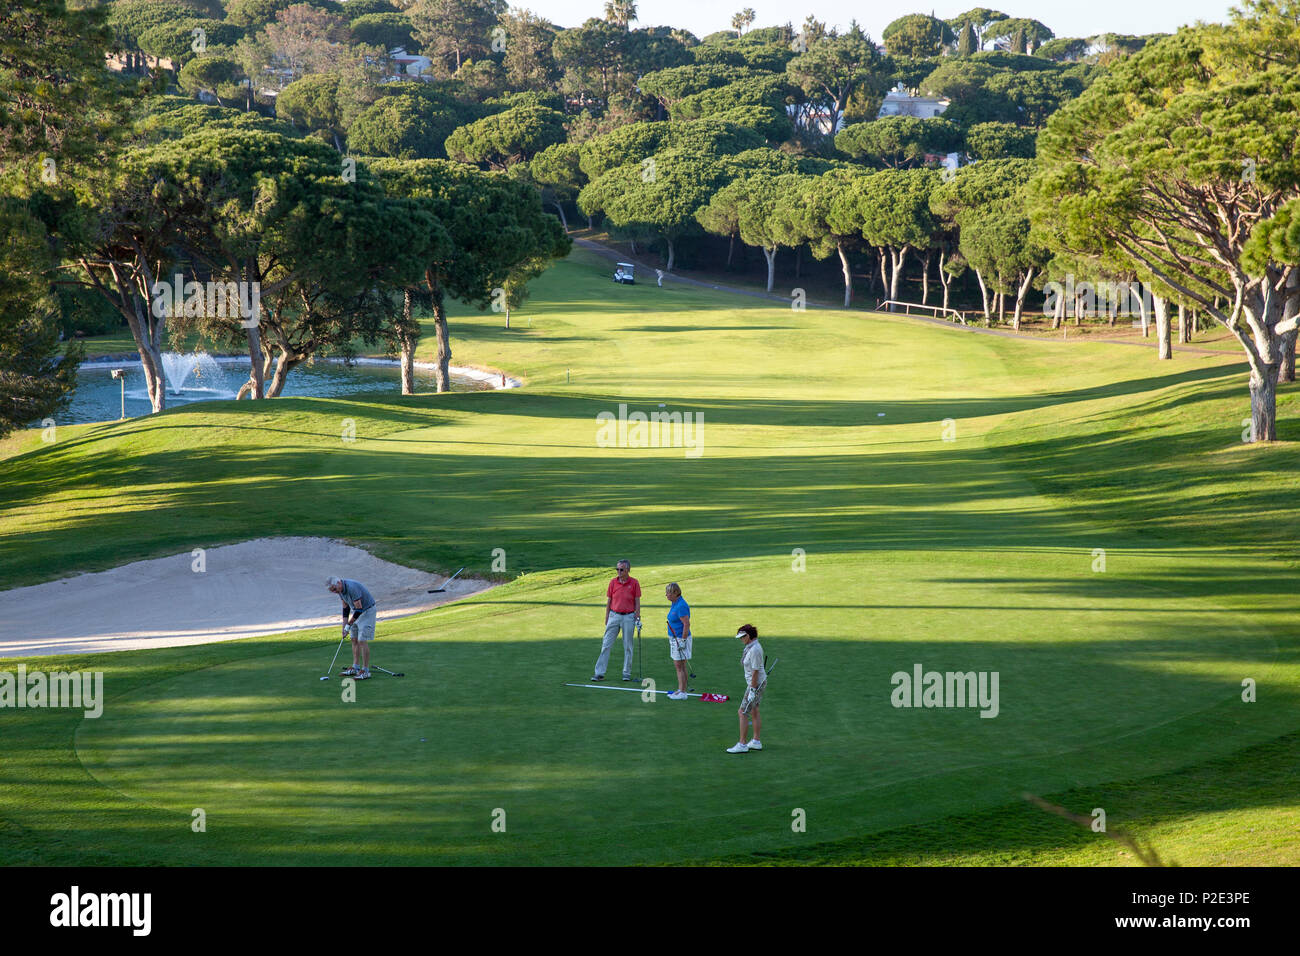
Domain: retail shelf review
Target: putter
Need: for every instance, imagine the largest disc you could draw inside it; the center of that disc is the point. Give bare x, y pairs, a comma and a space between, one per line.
445, 583
336, 655
640, 667
376, 667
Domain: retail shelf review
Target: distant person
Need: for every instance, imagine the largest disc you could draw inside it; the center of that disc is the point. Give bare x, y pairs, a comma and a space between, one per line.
358, 603
679, 636
622, 611
751, 659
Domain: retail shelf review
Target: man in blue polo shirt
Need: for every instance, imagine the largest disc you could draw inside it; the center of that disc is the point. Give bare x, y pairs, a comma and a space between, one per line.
361, 606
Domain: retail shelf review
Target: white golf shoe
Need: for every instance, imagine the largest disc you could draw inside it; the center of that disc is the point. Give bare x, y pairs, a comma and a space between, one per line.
739, 748
755, 745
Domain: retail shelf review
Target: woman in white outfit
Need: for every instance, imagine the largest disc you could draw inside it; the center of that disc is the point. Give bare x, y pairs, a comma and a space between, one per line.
751, 660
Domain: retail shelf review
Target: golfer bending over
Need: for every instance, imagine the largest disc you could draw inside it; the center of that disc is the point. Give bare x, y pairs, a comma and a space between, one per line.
622, 610
679, 636
755, 683
358, 602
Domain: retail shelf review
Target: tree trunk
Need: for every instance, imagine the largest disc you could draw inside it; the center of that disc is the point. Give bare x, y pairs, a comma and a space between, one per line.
899, 260
925, 276
1263, 402
1020, 299
145, 328
1058, 313
442, 373
1288, 357
884, 278
407, 338
255, 362
945, 279
848, 275
155, 378
408, 364
731, 249
837, 110
672, 254
984, 294
285, 364
770, 255
798, 262
1163, 337
563, 219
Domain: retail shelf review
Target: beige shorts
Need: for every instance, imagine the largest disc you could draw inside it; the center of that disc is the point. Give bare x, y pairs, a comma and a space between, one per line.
749, 703
678, 649
364, 628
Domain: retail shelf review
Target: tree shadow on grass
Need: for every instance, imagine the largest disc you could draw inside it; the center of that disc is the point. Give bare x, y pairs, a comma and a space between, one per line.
1261, 776
266, 737
559, 510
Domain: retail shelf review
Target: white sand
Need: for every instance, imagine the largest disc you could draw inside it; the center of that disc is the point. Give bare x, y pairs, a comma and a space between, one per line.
246, 590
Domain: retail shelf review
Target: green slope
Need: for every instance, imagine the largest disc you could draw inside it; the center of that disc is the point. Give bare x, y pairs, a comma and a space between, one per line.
823, 431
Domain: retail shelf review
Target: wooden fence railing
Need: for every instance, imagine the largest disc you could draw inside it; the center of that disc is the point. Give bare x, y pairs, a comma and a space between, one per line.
934, 310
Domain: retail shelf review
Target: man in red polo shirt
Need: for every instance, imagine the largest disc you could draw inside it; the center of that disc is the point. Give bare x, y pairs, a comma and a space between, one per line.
622, 610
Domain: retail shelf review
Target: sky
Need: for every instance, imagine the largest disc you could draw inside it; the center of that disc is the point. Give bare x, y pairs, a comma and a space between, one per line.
1066, 19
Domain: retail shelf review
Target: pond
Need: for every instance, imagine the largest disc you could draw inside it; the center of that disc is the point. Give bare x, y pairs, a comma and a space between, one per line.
201, 377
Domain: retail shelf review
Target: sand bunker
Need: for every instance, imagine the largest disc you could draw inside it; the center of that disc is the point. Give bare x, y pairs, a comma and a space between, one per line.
246, 590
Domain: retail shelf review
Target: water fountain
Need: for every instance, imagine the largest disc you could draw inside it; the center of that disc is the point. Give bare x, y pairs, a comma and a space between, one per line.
200, 377
198, 372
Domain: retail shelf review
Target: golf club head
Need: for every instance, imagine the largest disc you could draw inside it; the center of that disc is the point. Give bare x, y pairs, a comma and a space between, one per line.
326, 677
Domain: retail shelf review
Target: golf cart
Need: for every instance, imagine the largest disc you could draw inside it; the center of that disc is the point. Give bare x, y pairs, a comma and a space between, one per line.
625, 273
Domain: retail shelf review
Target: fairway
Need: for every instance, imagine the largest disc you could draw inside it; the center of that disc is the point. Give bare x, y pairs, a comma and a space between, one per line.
873, 493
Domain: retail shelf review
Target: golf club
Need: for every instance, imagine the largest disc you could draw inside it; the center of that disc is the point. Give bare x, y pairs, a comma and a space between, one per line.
768, 670
336, 655
640, 668
376, 667
635, 690
690, 664
445, 583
